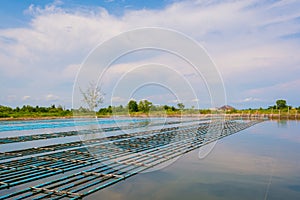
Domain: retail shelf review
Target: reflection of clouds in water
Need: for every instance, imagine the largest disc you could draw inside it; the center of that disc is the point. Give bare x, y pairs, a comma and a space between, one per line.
294, 138
239, 161
260, 160
290, 131
282, 123
277, 130
154, 185
220, 174
294, 187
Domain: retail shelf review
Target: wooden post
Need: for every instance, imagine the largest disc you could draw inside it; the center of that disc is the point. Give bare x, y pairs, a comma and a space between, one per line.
272, 114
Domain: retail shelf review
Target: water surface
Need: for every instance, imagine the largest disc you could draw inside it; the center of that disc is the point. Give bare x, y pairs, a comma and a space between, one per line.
261, 162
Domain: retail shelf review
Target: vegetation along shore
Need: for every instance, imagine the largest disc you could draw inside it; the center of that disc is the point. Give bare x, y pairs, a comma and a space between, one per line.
146, 108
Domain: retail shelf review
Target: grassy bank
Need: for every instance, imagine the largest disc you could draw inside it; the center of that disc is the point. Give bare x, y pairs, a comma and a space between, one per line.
53, 112
142, 115
37, 112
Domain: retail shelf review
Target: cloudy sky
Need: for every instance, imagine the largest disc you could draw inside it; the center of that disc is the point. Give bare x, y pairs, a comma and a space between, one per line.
255, 45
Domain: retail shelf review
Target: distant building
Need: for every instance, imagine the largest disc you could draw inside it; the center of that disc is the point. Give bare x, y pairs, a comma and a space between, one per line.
226, 108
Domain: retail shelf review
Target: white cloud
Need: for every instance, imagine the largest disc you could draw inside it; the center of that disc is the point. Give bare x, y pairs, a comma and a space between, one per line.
174, 101
116, 100
250, 99
51, 97
11, 97
70, 71
286, 90
291, 86
242, 39
24, 98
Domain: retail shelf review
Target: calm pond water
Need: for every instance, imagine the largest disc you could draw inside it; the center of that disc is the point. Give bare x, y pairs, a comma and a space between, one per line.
261, 162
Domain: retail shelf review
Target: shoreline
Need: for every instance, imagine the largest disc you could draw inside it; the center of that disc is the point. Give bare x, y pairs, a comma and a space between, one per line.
32, 118
244, 116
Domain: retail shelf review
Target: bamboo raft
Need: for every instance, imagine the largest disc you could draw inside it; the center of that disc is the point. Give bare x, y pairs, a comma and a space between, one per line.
46, 124
43, 136
104, 161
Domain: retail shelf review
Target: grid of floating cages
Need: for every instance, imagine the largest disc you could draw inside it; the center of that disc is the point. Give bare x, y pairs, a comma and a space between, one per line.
117, 158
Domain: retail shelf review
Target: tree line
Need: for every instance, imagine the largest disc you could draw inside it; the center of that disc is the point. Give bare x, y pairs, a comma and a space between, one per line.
34, 111
142, 107
132, 107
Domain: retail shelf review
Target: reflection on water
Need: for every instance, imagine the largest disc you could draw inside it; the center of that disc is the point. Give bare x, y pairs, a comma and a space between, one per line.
262, 162
282, 123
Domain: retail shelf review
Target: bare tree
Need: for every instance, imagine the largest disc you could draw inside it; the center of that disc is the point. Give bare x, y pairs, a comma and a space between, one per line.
92, 96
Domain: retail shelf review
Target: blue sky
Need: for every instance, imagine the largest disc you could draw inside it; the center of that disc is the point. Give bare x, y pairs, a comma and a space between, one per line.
13, 13
255, 45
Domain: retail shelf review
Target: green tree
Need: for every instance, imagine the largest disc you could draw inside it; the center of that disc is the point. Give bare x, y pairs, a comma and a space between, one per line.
27, 108
144, 106
281, 104
105, 111
173, 108
119, 108
59, 108
5, 109
109, 109
132, 106
180, 106
166, 107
